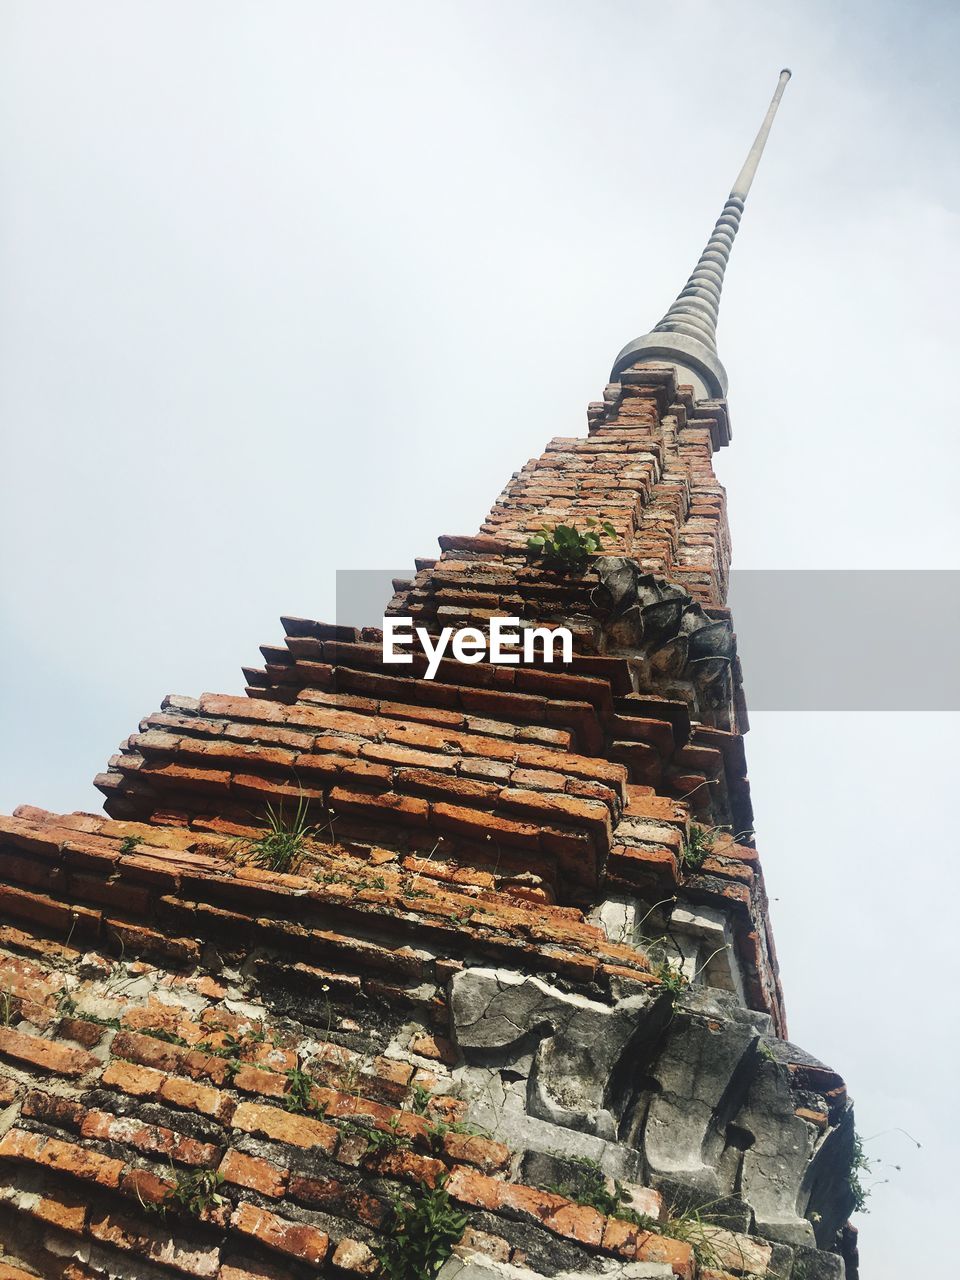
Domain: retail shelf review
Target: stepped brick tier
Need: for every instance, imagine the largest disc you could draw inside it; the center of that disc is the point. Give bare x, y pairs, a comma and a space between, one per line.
527, 957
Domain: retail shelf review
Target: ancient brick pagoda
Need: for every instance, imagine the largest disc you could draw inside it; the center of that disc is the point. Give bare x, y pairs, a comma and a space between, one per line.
520, 974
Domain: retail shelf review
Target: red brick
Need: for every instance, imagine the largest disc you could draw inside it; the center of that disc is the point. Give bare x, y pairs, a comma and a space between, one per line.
146, 1050
335, 1197
353, 1255
64, 1113
299, 1240
819, 1118
158, 1245
46, 912
193, 1097
284, 1126
471, 1187
476, 823
254, 1173
462, 790
554, 807
138, 940
145, 1187
405, 809
632, 1242
576, 1222
65, 1157
48, 1055
491, 1157
394, 1072
255, 1080
436, 1047
19, 977
151, 1139
63, 1210
82, 1032
140, 1082
410, 1166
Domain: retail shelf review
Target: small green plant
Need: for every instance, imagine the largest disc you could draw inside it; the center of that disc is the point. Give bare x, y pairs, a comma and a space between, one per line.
697, 846
6, 1008
299, 1096
382, 1142
129, 844
423, 1232
350, 1078
420, 1100
588, 1185
565, 547
860, 1165
66, 1005
234, 1046
672, 979
464, 916
285, 843
194, 1192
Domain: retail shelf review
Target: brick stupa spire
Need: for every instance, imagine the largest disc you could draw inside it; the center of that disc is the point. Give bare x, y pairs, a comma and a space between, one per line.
507, 962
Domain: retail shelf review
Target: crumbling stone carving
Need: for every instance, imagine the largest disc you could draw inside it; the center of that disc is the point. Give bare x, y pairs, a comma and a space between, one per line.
702, 1090
567, 1046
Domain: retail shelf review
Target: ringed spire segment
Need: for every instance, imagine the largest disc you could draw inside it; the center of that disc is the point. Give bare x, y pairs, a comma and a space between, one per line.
687, 334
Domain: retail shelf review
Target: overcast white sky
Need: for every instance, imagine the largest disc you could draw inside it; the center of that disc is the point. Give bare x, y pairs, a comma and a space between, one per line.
295, 287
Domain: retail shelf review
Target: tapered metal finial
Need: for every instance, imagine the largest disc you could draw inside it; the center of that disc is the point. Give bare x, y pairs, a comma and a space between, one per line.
687, 334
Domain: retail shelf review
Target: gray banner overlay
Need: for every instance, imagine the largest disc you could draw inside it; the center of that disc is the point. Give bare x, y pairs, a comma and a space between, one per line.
808, 639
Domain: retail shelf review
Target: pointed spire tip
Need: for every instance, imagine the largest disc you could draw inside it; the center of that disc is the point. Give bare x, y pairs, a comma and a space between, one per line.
687, 334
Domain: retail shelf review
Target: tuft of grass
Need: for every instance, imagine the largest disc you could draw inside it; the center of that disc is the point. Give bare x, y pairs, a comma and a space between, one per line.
697, 846
423, 1232
285, 843
698, 1228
